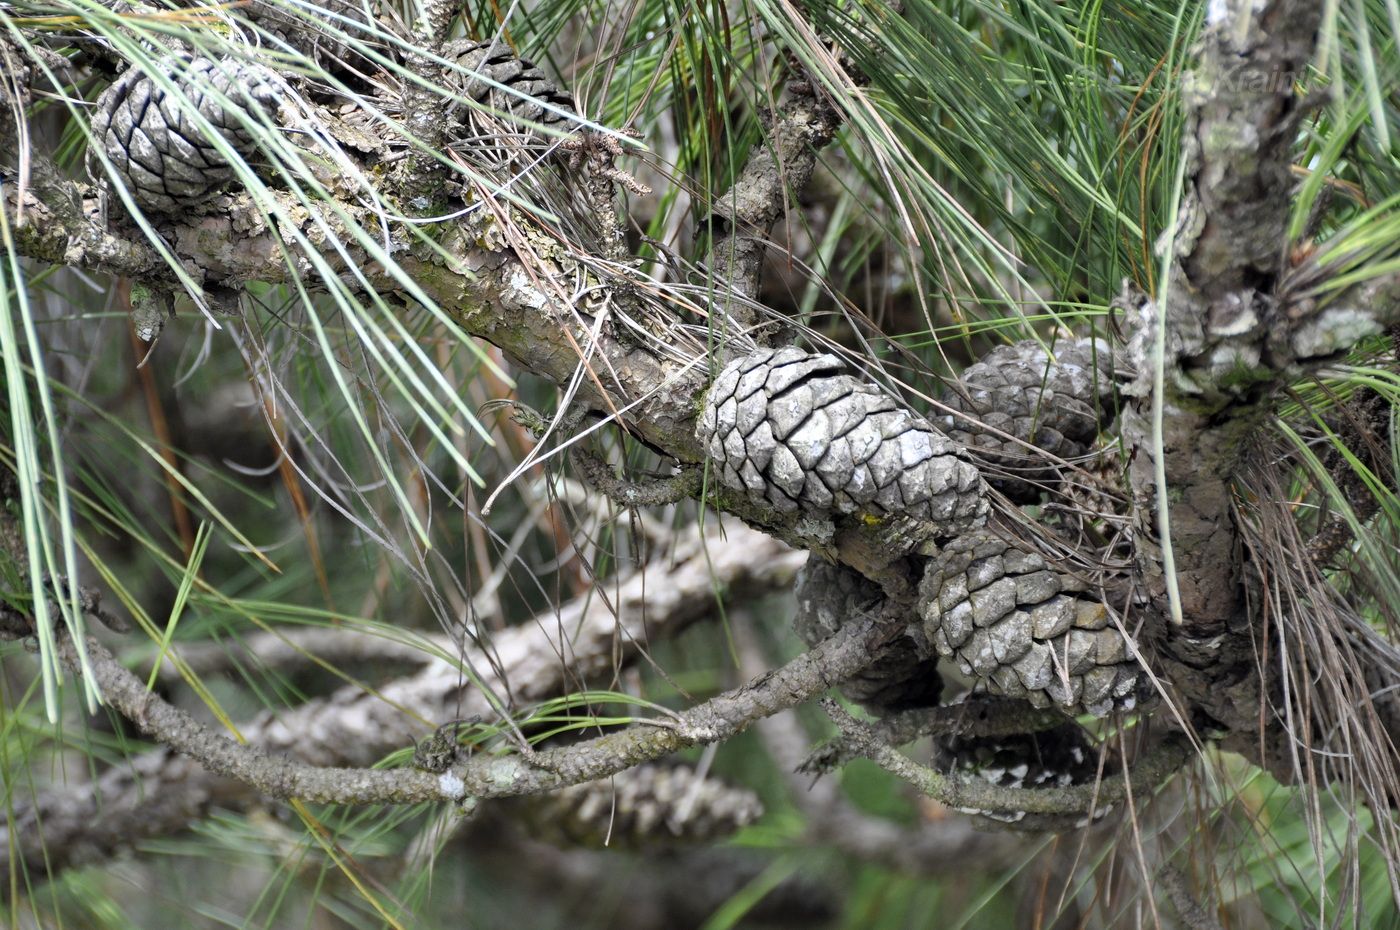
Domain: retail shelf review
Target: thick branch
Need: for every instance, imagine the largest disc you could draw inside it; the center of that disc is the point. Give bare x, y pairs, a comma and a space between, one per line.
1228, 345
1218, 304
53, 232
1244, 113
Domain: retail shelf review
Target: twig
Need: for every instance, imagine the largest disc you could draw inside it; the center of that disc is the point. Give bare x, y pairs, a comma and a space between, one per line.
741, 217
1147, 773
716, 720
654, 493
981, 715
271, 776
934, 848
1192, 914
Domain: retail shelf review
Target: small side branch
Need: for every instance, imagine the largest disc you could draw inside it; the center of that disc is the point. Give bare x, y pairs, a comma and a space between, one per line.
655, 493
268, 775
743, 215
1147, 772
978, 716
158, 793
1192, 913
805, 677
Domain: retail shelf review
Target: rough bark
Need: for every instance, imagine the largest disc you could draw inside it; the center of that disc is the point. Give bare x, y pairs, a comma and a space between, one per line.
743, 215
1233, 334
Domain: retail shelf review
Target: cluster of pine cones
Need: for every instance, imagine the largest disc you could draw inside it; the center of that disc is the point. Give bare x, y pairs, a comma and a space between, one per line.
796, 433
791, 430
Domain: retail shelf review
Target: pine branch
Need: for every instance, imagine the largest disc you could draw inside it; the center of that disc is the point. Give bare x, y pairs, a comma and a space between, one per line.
741, 217
939, 847
482, 776
1145, 774
978, 715
158, 793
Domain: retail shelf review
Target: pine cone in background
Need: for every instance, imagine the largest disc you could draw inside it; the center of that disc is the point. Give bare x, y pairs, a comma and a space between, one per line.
641, 807
1054, 758
1021, 629
282, 25
155, 144
831, 595
796, 433
1056, 405
530, 96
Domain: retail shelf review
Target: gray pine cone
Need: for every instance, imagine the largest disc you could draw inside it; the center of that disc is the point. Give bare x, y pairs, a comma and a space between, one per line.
500, 66
831, 595
797, 433
1017, 389
1023, 630
1055, 758
314, 32
156, 146
642, 807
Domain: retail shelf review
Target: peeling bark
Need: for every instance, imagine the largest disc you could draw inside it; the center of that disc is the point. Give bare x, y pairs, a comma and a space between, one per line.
1232, 338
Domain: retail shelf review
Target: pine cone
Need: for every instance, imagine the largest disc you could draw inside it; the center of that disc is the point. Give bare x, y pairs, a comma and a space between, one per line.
1097, 488
530, 91
828, 597
1054, 758
642, 807
1018, 390
317, 37
157, 149
797, 434
1023, 630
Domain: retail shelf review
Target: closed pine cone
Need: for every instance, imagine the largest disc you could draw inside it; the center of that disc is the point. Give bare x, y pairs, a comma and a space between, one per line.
797, 433
157, 146
1021, 629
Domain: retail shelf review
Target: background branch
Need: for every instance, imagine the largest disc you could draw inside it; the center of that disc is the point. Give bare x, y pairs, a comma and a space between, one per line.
158, 793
